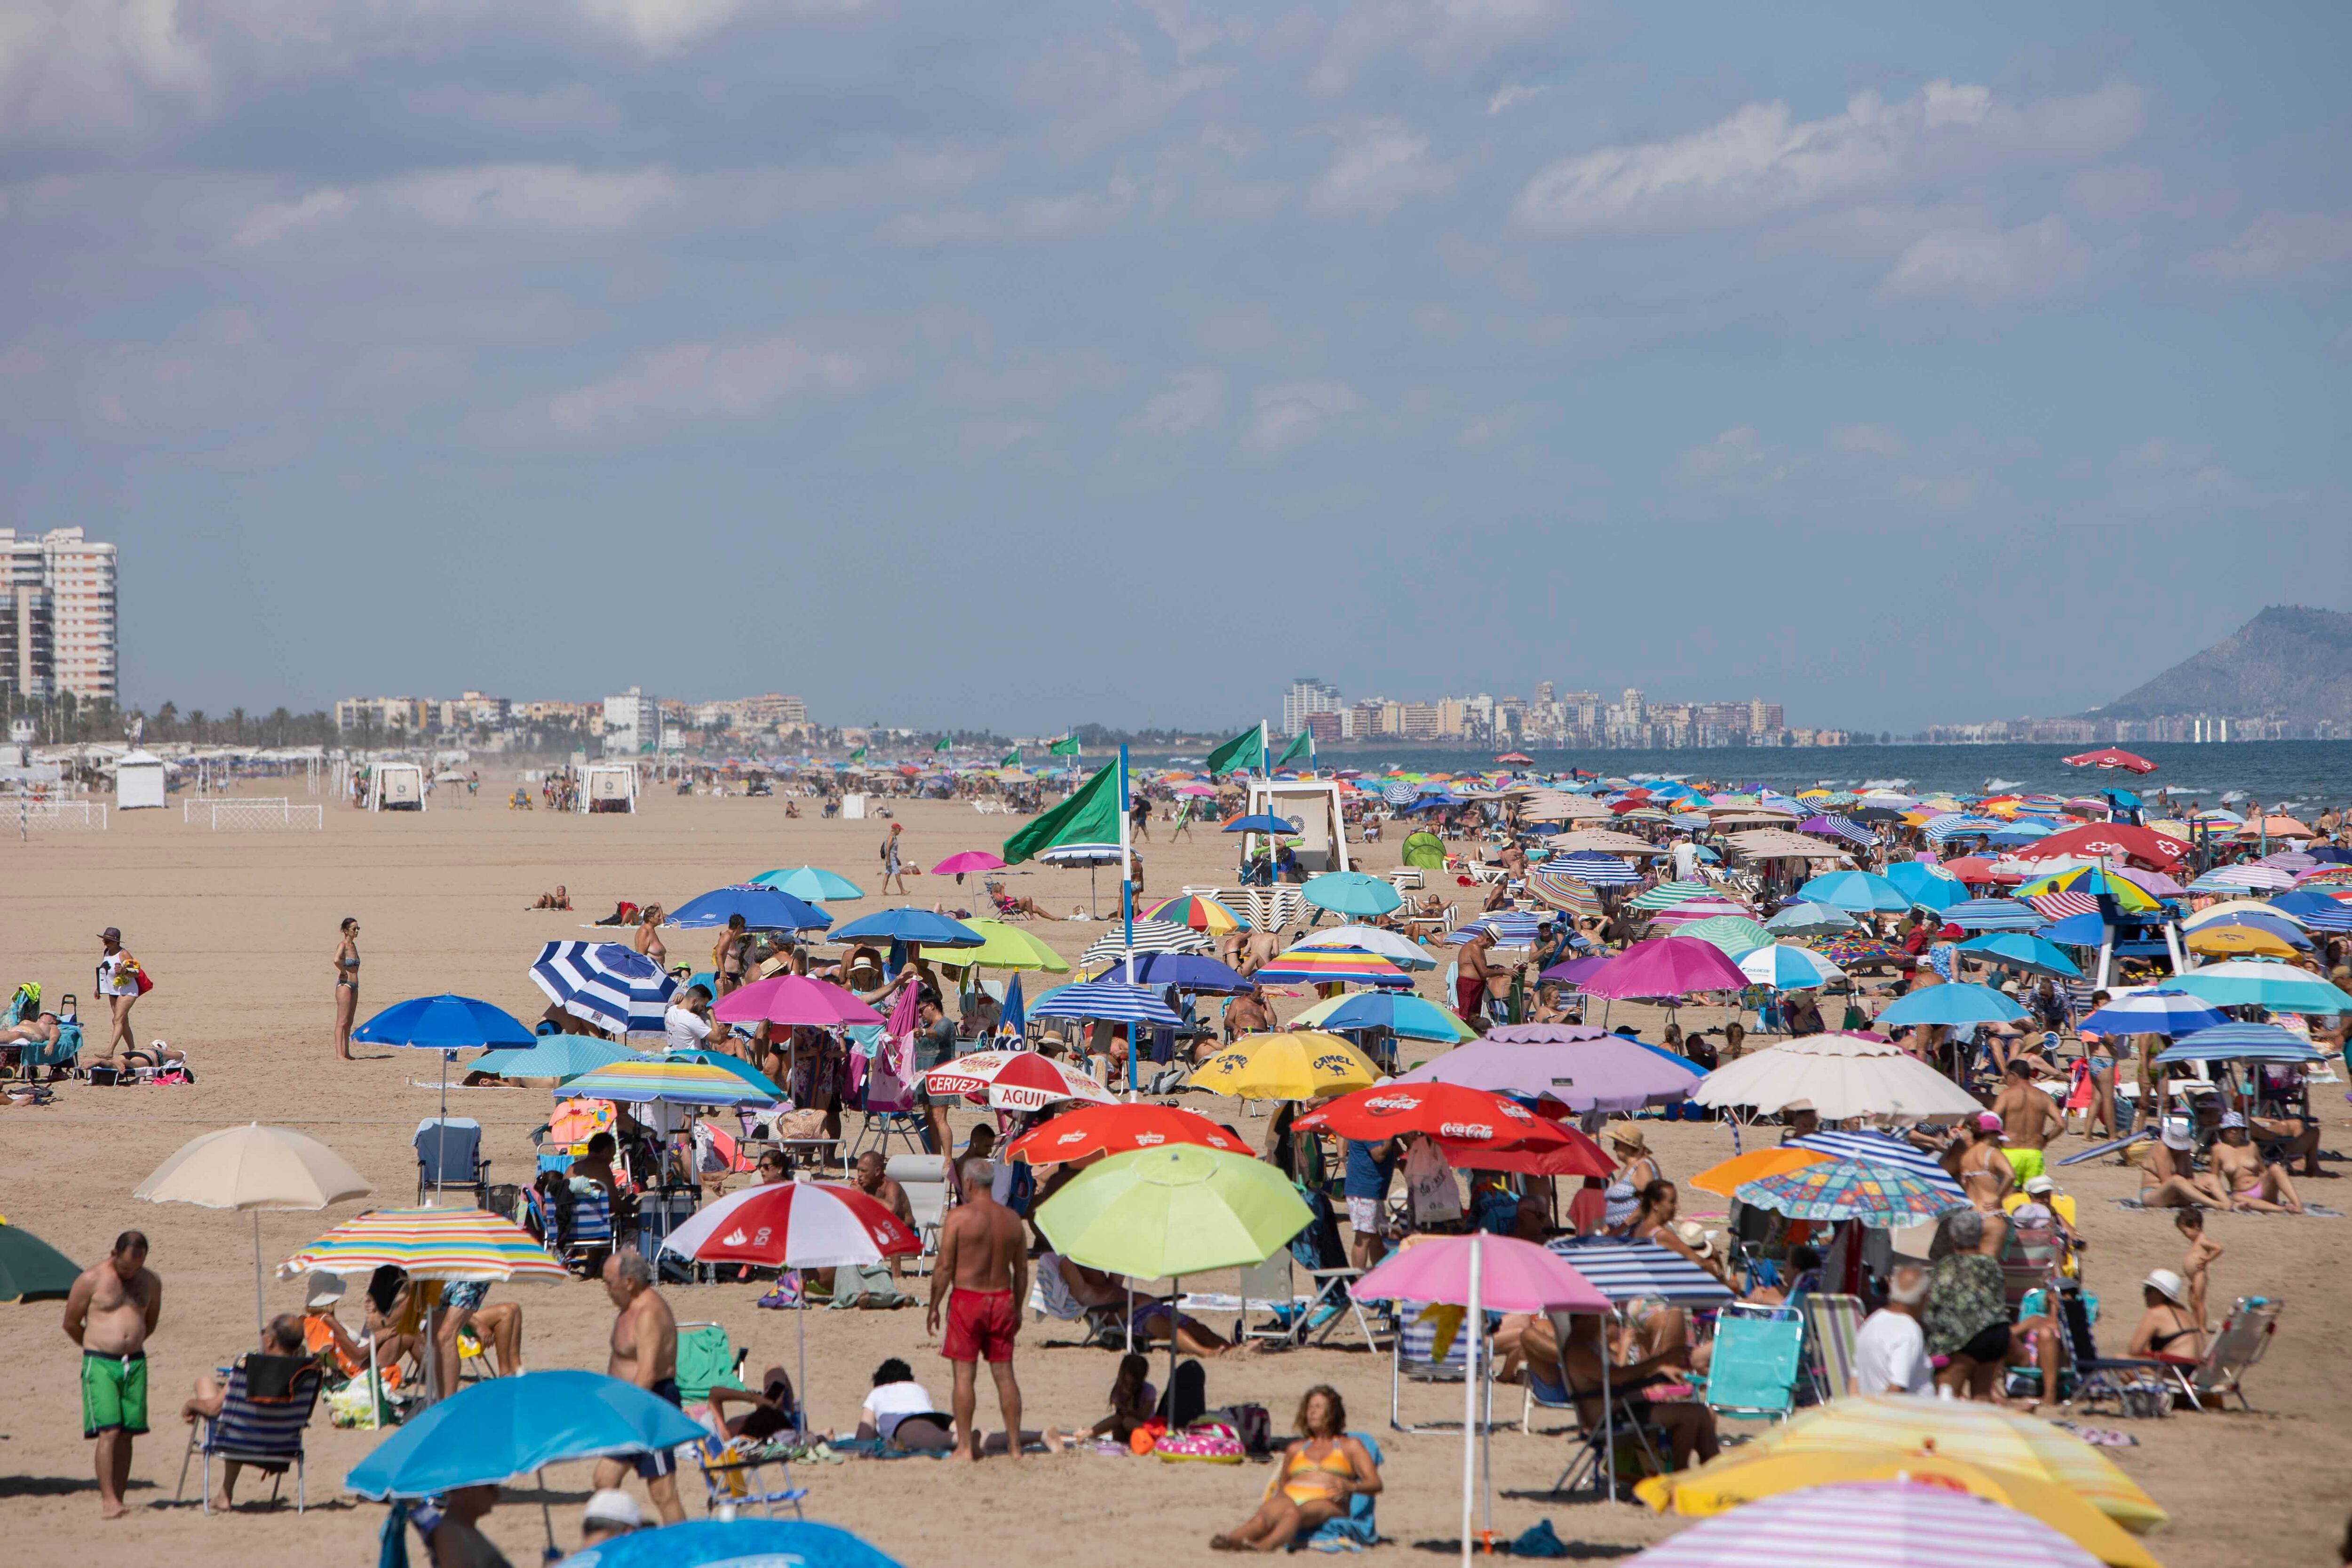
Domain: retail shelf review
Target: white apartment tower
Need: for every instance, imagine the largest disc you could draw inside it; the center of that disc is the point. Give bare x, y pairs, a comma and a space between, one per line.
1307, 694
57, 599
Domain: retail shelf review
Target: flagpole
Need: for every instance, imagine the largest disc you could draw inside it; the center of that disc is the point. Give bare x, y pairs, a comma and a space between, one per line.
1126, 910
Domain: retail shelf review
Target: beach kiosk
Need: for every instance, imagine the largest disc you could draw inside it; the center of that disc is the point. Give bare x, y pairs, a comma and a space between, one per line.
1312, 808
397, 786
138, 781
608, 787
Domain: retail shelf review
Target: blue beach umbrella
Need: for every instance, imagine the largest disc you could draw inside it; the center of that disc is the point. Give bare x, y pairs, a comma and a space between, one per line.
1926, 886
1414, 1017
1993, 914
1859, 891
2156, 1010
503, 1427
1957, 1006
763, 908
812, 884
733, 1543
1594, 868
1014, 1021
559, 1057
1351, 893
921, 927
1786, 968
612, 986
445, 1023
1184, 971
2022, 950
1261, 823
1802, 919
2243, 1043
1111, 1000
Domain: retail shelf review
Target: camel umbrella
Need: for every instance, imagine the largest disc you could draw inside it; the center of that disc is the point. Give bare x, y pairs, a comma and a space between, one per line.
253, 1168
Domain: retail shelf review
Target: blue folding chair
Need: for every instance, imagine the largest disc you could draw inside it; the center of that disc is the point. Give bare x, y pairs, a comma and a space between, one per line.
265, 1433
1758, 1354
449, 1154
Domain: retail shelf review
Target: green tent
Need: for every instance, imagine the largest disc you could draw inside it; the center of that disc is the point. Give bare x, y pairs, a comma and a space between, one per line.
1424, 850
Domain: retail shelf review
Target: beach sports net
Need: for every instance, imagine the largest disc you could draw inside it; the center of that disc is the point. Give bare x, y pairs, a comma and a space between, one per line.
30, 816
272, 814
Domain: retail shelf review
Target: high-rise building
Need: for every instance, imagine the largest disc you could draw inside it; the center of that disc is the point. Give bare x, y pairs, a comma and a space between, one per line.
1307, 694
27, 643
76, 577
632, 724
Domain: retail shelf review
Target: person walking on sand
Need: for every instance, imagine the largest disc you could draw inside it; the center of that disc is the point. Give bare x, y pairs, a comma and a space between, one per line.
892, 866
644, 1352
112, 1312
347, 986
984, 1256
118, 982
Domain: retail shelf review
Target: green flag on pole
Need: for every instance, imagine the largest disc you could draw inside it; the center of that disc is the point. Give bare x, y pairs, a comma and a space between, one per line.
1012, 759
1302, 745
1067, 746
946, 744
1246, 750
1091, 816
858, 755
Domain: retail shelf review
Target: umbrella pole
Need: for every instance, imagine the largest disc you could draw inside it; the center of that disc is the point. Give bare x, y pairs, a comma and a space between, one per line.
546, 1515
1605, 1473
800, 1416
1174, 1291
1473, 1325
260, 1324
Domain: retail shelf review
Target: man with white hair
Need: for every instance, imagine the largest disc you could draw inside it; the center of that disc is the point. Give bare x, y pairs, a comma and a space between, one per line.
1890, 1353
645, 1351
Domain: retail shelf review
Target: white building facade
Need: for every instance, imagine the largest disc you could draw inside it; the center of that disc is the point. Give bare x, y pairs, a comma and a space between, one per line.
59, 589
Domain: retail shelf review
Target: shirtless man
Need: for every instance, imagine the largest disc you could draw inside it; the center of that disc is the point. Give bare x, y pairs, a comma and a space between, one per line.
2254, 1185
2030, 1118
1475, 976
111, 1312
2169, 1179
1246, 1014
1260, 949
873, 1179
984, 1256
645, 1351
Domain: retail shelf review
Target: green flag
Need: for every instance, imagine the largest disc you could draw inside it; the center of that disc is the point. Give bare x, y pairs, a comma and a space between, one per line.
1302, 745
858, 755
1091, 816
1246, 750
1065, 747
946, 744
1012, 759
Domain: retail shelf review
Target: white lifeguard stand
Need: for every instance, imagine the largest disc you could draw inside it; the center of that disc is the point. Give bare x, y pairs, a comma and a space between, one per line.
397, 786
608, 787
138, 781
1312, 808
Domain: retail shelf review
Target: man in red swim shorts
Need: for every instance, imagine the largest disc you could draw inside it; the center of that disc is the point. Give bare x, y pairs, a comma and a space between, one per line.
984, 1257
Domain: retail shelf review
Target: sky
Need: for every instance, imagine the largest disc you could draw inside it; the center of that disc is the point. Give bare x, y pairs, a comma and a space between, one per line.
1029, 364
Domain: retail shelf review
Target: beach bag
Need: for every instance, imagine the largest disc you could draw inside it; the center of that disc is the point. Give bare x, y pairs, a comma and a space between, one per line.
141, 979
800, 1125
1203, 1443
1255, 1423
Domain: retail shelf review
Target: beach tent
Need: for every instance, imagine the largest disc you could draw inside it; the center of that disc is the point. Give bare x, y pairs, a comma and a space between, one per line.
1312, 808
397, 786
608, 787
138, 781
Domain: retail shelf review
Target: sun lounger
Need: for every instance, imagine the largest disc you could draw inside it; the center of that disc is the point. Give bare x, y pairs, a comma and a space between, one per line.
265, 1434
2244, 1338
924, 1179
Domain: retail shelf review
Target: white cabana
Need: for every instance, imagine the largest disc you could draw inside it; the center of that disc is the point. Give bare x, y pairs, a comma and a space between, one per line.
138, 781
608, 787
397, 786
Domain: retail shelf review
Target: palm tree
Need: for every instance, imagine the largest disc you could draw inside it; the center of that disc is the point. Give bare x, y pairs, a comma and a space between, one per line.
236, 716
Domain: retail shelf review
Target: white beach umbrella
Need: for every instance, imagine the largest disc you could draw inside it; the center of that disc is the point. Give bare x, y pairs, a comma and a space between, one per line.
1839, 1075
254, 1168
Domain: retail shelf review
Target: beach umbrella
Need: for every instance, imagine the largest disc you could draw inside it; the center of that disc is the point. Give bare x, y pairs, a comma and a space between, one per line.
1735, 934
1183, 971
965, 862
2313, 909
736, 1065
1989, 1434
1262, 822
734, 1543
2247, 940
764, 908
2020, 950
1855, 892
2242, 1042
1326, 965
1150, 936
1576, 971
922, 928
2094, 881
1881, 1196
1198, 911
613, 987
1705, 907
1480, 1274
2255, 983
2241, 879
809, 884
2152, 1010
1115, 1129
1889, 1523
1956, 1006
252, 1168
1511, 928
1927, 887
2111, 841
31, 1269
1112, 1001
1773, 1160
1005, 946
445, 1244
1400, 1013
1665, 966
667, 1080
1607, 1073
1993, 914
1453, 1113
1593, 869
2230, 912
1351, 893
502, 1426
1830, 825
2110, 759
1786, 968
448, 1024
1666, 895
1013, 1080
1630, 1271
795, 999
1839, 1076
1388, 944
1286, 1065
1853, 949
1806, 918
1879, 1148
558, 1056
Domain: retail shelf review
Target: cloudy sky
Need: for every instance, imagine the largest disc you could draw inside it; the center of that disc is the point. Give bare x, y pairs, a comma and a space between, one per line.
1021, 364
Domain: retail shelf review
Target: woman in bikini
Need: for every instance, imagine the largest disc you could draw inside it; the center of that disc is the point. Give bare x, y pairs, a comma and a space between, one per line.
347, 986
2168, 1329
650, 942
727, 957
1320, 1473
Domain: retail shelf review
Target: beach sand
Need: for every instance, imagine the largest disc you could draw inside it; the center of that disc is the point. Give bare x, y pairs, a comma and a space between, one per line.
238, 930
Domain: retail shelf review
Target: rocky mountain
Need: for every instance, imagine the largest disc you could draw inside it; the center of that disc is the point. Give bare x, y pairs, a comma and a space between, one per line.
2288, 660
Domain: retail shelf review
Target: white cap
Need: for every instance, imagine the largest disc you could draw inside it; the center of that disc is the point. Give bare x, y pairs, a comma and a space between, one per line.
2167, 1284
2175, 1136
611, 1506
2039, 1185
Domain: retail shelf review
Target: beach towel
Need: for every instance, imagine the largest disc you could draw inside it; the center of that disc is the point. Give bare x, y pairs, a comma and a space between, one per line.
1358, 1527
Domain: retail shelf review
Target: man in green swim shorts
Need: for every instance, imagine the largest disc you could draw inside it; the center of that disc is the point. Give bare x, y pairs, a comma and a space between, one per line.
110, 1313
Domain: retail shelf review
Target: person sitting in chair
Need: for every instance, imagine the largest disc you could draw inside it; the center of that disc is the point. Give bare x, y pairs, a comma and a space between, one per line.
1321, 1473
266, 1384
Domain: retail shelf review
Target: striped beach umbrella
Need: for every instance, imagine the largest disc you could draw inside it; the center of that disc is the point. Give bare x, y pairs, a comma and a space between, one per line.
667, 1080
613, 987
2095, 881
1592, 868
1196, 911
1404, 954
1868, 1524
1993, 914
1880, 1149
1567, 892
1399, 792
465, 1244
1784, 966
1626, 1270
1830, 825
1666, 895
1881, 1196
1013, 1080
1706, 909
1112, 1001
1150, 936
1400, 1013
2153, 1010
1326, 965
1512, 928
2231, 878
1735, 934
2243, 1043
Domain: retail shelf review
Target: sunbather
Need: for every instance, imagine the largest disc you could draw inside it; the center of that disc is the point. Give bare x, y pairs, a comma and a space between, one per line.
2256, 1186
1011, 908
901, 1412
772, 1407
2168, 1177
2168, 1329
1320, 1472
1151, 1322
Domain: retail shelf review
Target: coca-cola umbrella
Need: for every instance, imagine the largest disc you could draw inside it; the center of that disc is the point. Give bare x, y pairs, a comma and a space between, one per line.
1474, 1127
1014, 1081
1089, 1130
795, 1225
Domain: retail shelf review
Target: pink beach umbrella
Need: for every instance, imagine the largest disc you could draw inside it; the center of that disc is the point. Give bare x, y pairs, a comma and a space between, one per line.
793, 999
965, 861
1665, 966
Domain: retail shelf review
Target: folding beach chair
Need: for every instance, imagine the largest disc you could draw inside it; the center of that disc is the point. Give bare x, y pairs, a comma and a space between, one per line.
1318, 1254
1757, 1353
924, 1179
706, 1359
2098, 1377
449, 1154
1832, 1324
1414, 1356
731, 1478
2245, 1336
264, 1433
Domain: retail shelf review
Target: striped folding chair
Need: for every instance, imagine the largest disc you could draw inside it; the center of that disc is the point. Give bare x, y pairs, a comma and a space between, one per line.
265, 1434
1414, 1356
1832, 1324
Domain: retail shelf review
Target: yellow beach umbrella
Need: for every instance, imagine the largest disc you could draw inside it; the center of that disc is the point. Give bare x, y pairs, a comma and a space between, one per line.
2239, 941
1739, 1477
1302, 1064
1754, 1166
1006, 947
1902, 1424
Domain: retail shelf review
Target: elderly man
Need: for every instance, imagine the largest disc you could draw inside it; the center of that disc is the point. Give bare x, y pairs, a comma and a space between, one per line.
644, 1352
1890, 1353
110, 1313
873, 1178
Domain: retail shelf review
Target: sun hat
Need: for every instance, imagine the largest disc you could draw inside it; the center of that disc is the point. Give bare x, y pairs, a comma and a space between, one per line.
1628, 1134
2230, 1119
613, 1506
1696, 1237
323, 1288
2167, 1284
2175, 1136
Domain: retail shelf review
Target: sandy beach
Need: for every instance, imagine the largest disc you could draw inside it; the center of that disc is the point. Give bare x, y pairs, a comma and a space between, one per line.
238, 930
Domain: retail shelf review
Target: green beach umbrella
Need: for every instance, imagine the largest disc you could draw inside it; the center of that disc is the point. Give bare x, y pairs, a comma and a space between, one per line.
33, 1271
1733, 933
1156, 1214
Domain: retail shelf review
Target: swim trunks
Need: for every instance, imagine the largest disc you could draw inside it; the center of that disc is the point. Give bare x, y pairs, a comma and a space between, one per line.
113, 1393
980, 1326
2025, 1164
661, 1461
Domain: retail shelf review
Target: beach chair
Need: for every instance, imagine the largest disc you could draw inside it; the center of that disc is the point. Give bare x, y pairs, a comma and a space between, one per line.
1832, 1324
731, 1478
2098, 1377
1413, 1357
924, 1179
263, 1434
707, 1360
2029, 1262
449, 1154
1637, 1445
2244, 1339
1267, 1287
1758, 1351
1050, 1297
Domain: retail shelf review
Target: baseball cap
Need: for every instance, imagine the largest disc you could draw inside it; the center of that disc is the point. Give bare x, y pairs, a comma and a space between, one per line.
111, 933
2231, 1119
2039, 1185
323, 1288
611, 1506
